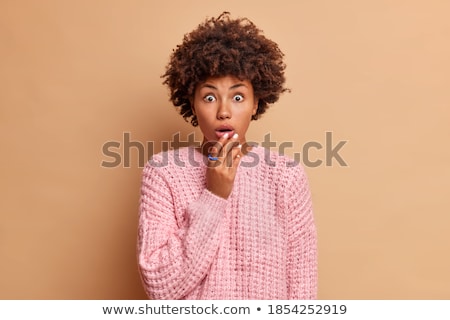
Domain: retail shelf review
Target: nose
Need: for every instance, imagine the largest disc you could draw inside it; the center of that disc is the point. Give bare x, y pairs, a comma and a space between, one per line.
224, 111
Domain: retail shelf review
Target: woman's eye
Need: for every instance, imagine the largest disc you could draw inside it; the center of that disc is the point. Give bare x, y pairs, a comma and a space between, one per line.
238, 98
209, 98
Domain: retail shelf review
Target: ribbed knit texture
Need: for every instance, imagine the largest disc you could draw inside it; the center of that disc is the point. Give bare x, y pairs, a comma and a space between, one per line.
260, 243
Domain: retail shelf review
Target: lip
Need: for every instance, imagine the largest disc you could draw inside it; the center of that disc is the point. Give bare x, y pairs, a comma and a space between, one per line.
223, 129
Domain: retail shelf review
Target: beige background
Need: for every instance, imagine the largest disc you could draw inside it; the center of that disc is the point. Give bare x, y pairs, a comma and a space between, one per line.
77, 74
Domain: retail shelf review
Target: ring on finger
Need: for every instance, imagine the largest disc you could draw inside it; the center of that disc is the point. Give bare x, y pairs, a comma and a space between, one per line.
211, 158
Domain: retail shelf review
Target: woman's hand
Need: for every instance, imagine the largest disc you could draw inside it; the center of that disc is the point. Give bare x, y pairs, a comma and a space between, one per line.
220, 173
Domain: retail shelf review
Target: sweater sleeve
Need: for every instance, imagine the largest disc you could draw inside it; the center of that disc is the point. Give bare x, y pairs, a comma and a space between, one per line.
175, 256
302, 237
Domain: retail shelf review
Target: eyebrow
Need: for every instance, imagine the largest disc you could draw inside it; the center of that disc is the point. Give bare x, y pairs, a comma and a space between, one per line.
237, 85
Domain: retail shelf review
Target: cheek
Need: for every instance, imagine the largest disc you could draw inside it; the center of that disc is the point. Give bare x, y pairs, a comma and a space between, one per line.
245, 118
203, 114
247, 112
204, 118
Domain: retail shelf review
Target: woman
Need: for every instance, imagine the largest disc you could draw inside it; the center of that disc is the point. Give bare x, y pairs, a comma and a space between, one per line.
228, 220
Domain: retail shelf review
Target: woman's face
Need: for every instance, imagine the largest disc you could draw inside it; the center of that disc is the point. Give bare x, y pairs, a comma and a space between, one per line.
224, 105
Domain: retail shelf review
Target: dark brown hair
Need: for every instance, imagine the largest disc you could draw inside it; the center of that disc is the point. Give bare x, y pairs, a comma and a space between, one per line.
223, 46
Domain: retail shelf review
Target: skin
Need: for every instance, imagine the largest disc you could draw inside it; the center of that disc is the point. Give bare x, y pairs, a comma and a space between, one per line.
224, 101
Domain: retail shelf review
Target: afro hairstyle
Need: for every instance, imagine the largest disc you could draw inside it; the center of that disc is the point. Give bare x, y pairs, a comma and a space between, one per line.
225, 47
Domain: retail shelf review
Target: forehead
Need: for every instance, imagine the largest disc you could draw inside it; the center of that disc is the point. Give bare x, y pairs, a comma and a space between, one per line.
225, 83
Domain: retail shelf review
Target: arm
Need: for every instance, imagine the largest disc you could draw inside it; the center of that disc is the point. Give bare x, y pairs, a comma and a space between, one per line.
302, 237
175, 256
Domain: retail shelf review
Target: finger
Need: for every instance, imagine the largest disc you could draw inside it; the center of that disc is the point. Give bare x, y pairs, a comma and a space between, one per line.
233, 142
237, 160
214, 148
234, 152
224, 145
217, 148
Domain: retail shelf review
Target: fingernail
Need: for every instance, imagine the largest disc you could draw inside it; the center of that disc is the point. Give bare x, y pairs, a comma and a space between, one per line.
240, 146
235, 136
225, 136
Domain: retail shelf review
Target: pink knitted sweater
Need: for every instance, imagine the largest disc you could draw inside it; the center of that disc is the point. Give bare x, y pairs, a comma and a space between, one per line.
260, 243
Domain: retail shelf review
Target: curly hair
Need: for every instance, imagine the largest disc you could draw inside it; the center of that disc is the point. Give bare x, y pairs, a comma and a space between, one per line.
220, 47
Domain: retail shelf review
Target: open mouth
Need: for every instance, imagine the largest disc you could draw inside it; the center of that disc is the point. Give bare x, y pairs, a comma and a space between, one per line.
222, 130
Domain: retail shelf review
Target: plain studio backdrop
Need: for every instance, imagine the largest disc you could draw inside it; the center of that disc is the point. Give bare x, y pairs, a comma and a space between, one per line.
83, 106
